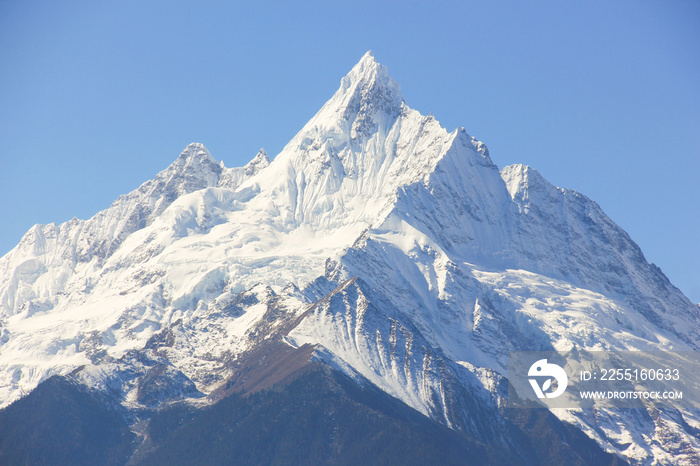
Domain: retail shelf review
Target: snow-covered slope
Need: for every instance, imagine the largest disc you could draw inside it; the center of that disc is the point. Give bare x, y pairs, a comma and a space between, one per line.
395, 247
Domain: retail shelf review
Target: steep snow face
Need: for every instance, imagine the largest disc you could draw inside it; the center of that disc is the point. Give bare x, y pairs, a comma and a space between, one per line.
563, 234
396, 246
475, 263
343, 169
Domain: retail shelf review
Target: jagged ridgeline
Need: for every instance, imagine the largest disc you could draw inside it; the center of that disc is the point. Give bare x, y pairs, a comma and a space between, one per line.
353, 300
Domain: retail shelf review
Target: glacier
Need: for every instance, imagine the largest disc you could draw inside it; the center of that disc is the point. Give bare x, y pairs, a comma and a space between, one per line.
396, 249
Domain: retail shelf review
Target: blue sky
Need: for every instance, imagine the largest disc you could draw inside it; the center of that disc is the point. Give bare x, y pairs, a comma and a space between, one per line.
601, 97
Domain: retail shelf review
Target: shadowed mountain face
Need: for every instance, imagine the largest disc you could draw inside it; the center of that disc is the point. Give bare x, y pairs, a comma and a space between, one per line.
315, 416
390, 252
62, 423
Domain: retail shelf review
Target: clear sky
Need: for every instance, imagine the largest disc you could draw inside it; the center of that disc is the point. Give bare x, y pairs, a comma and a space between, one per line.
599, 96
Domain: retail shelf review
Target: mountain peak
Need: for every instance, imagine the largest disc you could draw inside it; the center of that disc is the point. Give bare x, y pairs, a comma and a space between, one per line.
194, 169
366, 68
376, 240
194, 156
523, 180
260, 161
196, 151
368, 99
369, 80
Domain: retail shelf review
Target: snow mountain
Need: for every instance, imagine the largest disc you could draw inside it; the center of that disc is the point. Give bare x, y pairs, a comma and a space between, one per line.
377, 244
